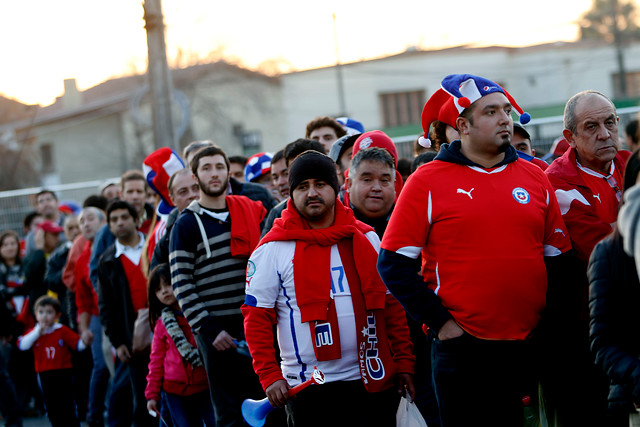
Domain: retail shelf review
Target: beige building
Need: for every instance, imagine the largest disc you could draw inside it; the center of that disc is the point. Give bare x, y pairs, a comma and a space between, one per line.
103, 131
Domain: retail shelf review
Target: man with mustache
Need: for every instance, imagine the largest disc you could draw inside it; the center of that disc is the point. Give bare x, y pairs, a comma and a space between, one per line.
588, 177
588, 186
465, 253
314, 276
209, 248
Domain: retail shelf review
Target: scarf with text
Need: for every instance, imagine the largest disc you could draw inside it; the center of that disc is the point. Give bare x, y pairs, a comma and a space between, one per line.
312, 278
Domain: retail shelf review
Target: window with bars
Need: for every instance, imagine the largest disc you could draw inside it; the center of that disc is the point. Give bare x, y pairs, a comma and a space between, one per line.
46, 158
402, 108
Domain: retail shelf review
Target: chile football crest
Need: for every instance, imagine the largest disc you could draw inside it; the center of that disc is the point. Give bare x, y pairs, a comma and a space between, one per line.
521, 195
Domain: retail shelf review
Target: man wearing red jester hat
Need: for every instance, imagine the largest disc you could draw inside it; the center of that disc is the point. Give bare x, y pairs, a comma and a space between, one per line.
483, 222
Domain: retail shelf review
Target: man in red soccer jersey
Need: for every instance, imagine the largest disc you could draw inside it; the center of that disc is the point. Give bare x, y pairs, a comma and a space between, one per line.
588, 177
587, 180
483, 221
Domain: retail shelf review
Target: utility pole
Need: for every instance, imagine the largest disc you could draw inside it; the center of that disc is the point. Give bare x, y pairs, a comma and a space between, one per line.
343, 107
160, 83
617, 38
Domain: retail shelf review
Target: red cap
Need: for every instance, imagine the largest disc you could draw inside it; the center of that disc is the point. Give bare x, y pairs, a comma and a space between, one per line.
375, 138
559, 146
50, 227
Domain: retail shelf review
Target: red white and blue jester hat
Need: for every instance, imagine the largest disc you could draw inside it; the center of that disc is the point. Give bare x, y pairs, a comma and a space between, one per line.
458, 92
158, 168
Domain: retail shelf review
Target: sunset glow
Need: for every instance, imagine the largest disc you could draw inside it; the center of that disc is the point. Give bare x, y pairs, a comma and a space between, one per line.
46, 42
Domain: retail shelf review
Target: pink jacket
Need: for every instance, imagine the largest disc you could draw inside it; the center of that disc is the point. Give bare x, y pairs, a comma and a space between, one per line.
167, 370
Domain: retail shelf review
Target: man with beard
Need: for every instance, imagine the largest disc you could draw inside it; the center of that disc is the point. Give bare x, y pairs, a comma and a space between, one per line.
314, 276
209, 248
483, 221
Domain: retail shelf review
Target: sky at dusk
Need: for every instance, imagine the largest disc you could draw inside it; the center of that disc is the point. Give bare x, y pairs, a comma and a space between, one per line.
45, 42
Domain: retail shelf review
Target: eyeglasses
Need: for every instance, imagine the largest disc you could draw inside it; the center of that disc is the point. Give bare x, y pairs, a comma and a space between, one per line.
612, 182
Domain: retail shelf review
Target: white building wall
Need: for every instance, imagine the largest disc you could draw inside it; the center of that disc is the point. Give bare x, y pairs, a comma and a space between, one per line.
538, 76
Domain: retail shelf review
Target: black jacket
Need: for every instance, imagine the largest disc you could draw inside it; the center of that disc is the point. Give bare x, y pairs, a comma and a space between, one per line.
614, 297
114, 300
253, 191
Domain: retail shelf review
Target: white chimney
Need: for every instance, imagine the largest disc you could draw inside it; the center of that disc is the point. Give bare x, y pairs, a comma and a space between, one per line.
71, 98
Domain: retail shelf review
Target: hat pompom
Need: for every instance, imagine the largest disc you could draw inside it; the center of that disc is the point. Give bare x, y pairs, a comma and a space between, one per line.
424, 142
464, 102
525, 118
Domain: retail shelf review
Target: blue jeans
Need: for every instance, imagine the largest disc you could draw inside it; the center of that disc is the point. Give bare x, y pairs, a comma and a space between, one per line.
99, 376
191, 410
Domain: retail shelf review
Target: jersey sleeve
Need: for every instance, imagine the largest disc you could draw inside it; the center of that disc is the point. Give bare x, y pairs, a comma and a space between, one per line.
409, 224
262, 290
71, 339
263, 280
556, 236
399, 259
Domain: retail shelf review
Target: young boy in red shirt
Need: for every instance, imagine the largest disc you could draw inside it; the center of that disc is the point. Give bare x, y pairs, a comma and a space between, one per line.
51, 342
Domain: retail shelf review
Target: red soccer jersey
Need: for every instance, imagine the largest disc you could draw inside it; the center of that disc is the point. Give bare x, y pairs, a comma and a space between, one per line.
605, 200
52, 350
483, 235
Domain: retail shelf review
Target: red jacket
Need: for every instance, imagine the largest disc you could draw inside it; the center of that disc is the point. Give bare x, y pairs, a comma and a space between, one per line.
86, 297
584, 225
168, 371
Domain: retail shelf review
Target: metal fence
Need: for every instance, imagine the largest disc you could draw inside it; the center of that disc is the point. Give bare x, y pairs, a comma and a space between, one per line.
543, 132
16, 204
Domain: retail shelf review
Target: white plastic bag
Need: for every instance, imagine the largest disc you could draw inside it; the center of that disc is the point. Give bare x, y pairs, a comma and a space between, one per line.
409, 415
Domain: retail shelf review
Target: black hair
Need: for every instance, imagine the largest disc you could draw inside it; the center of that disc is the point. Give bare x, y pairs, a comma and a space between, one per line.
11, 233
632, 130
160, 273
96, 201
631, 171
241, 160
121, 204
278, 156
45, 191
299, 146
47, 300
422, 158
28, 219
207, 151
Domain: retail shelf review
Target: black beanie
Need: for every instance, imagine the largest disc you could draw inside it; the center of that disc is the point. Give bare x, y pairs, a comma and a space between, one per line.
312, 165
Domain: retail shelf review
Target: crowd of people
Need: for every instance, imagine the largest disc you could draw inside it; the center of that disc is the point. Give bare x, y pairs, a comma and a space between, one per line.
475, 280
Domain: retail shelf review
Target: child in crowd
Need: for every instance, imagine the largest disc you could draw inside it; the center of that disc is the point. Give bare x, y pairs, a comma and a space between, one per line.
175, 366
51, 342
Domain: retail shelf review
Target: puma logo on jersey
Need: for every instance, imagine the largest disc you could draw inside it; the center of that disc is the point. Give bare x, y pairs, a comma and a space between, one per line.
468, 193
597, 196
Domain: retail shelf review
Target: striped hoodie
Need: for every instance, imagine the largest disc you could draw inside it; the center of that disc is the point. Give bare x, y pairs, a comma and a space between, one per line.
207, 280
